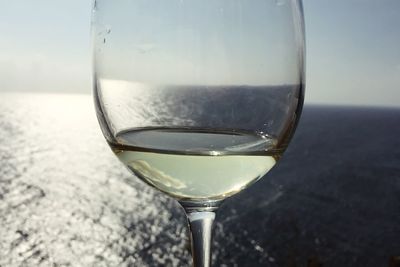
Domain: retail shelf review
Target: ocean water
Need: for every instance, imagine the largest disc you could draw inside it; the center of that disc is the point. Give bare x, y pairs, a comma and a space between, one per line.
65, 200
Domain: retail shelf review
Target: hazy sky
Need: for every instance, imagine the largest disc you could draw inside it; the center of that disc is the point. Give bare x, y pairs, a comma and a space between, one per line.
353, 48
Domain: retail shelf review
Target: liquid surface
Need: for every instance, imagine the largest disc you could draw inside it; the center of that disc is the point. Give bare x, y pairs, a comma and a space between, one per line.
196, 164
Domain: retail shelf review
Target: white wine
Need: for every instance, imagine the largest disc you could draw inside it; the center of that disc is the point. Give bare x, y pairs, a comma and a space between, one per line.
196, 164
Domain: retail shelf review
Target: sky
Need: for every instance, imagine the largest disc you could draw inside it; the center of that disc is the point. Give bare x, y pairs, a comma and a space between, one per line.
353, 49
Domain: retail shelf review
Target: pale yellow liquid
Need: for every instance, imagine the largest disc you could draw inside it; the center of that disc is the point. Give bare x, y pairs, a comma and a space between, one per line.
196, 165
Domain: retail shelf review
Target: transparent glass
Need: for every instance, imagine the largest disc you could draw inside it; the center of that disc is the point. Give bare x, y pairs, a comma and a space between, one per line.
199, 99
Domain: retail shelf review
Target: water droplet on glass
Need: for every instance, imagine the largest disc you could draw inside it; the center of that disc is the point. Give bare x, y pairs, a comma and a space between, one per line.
108, 29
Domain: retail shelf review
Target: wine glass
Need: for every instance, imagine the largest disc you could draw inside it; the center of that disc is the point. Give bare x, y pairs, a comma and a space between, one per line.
199, 99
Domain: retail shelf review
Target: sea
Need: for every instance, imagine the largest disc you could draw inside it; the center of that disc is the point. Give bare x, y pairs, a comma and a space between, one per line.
65, 199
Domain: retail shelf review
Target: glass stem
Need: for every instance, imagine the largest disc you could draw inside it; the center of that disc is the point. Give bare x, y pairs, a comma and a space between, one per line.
200, 225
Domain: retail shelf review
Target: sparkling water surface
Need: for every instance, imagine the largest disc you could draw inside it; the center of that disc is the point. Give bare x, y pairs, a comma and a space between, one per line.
65, 200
